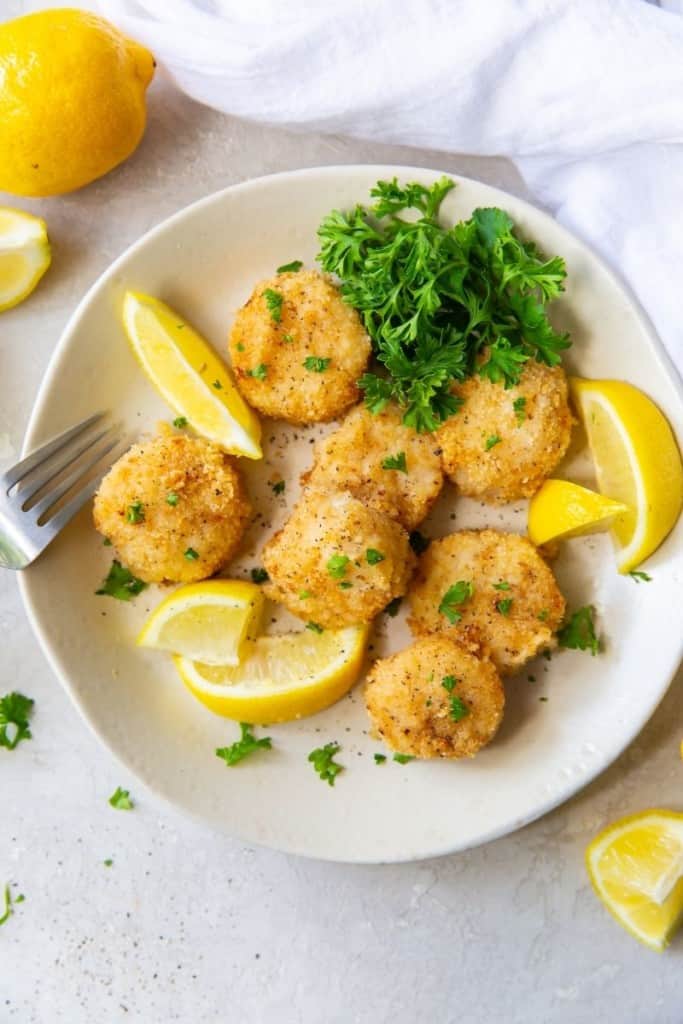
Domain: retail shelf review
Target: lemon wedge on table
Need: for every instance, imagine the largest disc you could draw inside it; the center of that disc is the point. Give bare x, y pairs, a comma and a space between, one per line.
24, 255
280, 677
561, 509
637, 462
189, 375
207, 622
636, 867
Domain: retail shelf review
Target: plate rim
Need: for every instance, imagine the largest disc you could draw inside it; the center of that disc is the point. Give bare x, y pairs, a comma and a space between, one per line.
664, 359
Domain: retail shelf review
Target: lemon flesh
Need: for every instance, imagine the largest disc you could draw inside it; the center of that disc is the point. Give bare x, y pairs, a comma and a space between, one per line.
189, 375
636, 867
561, 509
24, 255
281, 677
207, 622
637, 462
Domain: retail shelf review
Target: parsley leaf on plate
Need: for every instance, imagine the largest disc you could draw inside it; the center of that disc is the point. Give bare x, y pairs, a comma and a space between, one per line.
456, 595
404, 758
292, 267
322, 759
121, 800
578, 632
259, 575
15, 711
639, 576
247, 744
121, 584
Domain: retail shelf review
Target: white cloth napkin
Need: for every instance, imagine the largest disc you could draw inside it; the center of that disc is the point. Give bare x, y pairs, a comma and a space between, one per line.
585, 96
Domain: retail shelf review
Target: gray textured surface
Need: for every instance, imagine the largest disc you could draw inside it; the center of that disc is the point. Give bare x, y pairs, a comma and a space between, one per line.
189, 926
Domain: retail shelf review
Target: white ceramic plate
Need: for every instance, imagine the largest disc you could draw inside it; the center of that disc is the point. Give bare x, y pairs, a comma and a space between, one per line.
204, 262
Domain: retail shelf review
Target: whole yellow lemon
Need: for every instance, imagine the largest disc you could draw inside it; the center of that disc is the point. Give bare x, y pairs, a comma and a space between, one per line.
72, 100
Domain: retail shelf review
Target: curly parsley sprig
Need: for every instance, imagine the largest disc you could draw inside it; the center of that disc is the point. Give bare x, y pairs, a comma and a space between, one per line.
440, 303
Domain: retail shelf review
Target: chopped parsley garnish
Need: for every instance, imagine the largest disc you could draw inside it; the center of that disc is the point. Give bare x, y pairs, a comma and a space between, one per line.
504, 606
314, 627
316, 364
543, 614
374, 556
259, 575
121, 800
503, 585
247, 744
288, 268
304, 594
260, 372
172, 498
418, 542
578, 632
456, 595
457, 708
519, 406
640, 577
404, 758
492, 441
449, 683
8, 911
278, 487
106, 542
239, 346
289, 338
180, 422
121, 584
191, 555
336, 566
393, 607
135, 513
380, 758
108, 862
274, 303
15, 711
397, 462
436, 298
217, 385
345, 585
322, 759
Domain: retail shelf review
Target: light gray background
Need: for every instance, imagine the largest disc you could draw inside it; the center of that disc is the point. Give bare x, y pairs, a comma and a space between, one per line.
190, 926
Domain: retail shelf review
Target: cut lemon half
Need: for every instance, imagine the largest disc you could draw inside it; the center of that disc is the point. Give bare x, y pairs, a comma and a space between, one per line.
207, 622
189, 375
636, 867
24, 255
637, 462
561, 509
281, 677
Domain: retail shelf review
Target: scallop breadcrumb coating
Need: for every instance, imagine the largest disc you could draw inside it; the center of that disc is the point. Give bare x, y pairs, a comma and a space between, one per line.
503, 443
435, 699
336, 562
297, 349
175, 508
508, 602
351, 459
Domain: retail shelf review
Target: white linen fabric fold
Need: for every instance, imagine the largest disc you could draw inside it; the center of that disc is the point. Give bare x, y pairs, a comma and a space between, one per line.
585, 96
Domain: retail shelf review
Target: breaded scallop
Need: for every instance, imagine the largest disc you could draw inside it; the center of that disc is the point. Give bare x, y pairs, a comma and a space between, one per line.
175, 508
435, 699
503, 443
297, 349
336, 562
491, 589
351, 459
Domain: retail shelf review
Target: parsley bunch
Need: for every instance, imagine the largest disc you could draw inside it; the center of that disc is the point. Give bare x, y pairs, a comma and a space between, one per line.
440, 303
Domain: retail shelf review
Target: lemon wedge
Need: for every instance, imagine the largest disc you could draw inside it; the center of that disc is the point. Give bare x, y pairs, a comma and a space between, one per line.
281, 677
636, 867
561, 509
189, 375
637, 462
206, 622
24, 255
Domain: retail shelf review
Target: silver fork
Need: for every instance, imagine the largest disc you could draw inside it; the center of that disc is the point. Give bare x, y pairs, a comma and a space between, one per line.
30, 492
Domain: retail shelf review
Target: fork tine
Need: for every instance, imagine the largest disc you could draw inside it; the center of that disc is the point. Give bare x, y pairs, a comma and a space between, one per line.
53, 526
54, 467
32, 461
79, 471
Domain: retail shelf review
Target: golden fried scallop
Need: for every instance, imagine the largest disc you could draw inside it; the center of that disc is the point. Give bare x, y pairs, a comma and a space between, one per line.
175, 508
297, 349
503, 443
336, 562
435, 699
352, 459
490, 589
